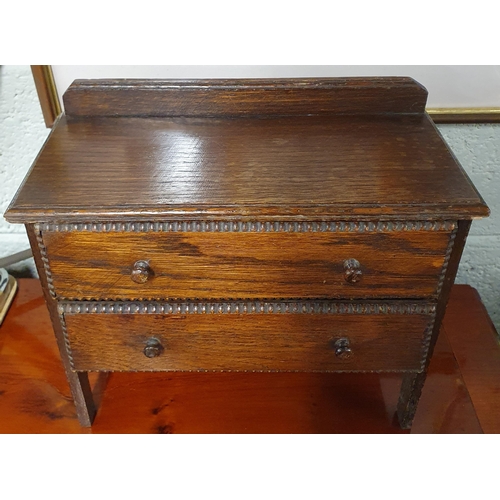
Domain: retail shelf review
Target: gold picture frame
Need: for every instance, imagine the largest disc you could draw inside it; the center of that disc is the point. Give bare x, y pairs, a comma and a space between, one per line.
47, 93
464, 115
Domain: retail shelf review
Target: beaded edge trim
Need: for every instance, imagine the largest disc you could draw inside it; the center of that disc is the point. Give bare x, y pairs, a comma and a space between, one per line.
250, 226
430, 329
447, 257
45, 261
244, 307
251, 371
67, 344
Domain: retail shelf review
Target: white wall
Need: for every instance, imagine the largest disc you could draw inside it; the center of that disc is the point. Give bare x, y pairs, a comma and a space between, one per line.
477, 146
450, 86
22, 133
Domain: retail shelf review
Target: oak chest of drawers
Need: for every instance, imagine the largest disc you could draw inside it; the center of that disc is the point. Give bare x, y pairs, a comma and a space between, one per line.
258, 225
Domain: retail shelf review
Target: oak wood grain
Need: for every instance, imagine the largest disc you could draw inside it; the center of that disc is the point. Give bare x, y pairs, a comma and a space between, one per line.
243, 97
343, 167
269, 342
243, 265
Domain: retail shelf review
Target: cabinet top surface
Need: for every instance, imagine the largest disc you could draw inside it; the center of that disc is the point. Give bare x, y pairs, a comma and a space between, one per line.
345, 166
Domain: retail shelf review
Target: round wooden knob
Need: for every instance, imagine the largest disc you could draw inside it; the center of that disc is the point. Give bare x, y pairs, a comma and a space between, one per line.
352, 271
343, 348
153, 348
141, 272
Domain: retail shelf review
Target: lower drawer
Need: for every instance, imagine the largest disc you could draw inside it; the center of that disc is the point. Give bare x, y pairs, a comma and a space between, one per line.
234, 341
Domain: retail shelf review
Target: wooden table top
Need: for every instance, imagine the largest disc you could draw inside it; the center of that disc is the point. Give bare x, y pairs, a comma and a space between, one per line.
461, 394
350, 165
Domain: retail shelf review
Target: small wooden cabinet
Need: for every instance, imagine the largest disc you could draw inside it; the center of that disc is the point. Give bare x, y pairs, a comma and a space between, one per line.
256, 225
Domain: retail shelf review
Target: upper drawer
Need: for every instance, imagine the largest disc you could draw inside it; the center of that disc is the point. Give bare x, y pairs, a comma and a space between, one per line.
394, 263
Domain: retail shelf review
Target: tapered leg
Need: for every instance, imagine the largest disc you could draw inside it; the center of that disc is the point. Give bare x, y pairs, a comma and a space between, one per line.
414, 382
80, 390
78, 381
411, 389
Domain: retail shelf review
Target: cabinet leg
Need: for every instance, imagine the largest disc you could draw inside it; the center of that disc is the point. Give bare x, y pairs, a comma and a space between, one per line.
78, 381
408, 398
82, 396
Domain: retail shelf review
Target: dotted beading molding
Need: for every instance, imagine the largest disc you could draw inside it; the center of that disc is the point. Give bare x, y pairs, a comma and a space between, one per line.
243, 307
447, 256
255, 226
426, 342
340, 370
66, 339
430, 330
45, 260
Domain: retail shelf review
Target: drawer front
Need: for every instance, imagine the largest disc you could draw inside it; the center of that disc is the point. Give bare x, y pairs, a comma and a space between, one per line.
268, 342
240, 265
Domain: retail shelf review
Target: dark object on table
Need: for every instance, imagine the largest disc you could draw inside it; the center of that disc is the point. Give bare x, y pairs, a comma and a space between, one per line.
8, 288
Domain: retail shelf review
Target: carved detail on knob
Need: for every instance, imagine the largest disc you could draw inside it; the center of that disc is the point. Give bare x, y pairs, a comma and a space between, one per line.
141, 272
352, 271
153, 348
343, 348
